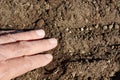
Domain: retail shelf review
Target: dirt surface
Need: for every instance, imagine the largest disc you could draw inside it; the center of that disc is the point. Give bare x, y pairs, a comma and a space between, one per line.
88, 32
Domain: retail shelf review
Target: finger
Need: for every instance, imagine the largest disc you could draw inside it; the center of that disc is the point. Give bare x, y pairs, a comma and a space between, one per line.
15, 67
26, 48
30, 35
6, 31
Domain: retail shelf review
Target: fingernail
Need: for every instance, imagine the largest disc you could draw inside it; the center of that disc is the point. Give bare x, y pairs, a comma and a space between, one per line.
53, 41
41, 33
49, 56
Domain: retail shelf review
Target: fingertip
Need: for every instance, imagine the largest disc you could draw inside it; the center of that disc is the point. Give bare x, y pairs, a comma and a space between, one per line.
40, 33
53, 41
48, 59
49, 56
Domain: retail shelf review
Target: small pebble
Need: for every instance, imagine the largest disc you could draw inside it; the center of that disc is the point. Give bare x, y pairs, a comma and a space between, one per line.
76, 37
47, 6
83, 51
91, 38
108, 61
117, 26
67, 29
73, 74
113, 47
70, 51
86, 20
87, 29
82, 29
40, 23
10, 26
91, 28
111, 26
70, 32
105, 27
96, 26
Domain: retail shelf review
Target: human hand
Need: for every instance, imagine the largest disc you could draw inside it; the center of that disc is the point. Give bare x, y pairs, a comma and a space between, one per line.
17, 53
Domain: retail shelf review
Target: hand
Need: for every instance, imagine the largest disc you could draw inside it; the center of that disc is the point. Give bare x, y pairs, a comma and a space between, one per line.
17, 53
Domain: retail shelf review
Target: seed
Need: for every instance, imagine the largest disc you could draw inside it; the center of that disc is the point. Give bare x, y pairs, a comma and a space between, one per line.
40, 23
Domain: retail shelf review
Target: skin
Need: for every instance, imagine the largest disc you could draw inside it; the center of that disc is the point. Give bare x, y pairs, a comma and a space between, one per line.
19, 53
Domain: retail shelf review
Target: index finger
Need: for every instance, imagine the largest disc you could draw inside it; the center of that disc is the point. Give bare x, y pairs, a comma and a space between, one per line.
30, 35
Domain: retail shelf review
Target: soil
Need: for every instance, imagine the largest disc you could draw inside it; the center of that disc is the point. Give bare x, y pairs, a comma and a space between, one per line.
88, 32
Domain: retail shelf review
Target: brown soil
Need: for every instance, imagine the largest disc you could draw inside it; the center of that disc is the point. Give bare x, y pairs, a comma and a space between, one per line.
88, 32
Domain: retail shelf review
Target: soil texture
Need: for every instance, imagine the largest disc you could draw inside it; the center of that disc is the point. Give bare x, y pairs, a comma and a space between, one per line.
88, 32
